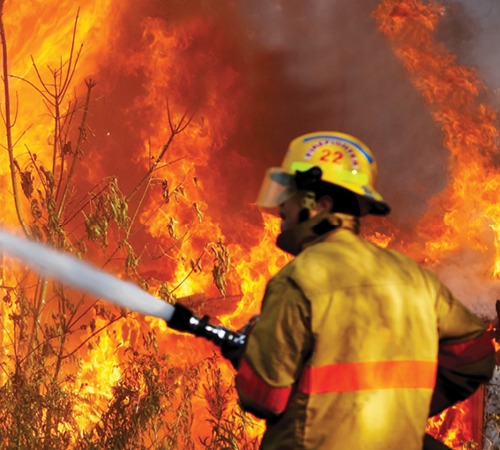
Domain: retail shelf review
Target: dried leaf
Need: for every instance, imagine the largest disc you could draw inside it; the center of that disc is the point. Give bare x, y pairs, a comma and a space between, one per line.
165, 193
144, 285
36, 212
165, 294
221, 266
49, 179
36, 233
131, 261
196, 265
7, 298
66, 150
116, 206
171, 228
96, 227
199, 214
27, 183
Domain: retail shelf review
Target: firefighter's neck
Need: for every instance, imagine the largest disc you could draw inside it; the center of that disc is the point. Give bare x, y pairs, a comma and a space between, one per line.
291, 208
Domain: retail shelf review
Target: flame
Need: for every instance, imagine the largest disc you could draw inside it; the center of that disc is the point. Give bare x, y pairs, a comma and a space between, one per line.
452, 426
468, 206
180, 69
163, 62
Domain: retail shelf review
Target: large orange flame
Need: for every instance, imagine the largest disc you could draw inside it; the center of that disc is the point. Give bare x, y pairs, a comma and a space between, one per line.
163, 62
464, 212
181, 66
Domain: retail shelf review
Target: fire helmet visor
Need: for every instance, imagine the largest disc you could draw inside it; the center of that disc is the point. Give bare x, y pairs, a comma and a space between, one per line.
276, 188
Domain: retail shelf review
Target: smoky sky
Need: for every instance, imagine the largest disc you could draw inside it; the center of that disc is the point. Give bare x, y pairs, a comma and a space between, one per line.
319, 65
323, 65
471, 29
332, 70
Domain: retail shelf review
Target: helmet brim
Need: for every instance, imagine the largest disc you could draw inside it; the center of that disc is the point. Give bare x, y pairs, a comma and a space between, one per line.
279, 185
378, 208
276, 188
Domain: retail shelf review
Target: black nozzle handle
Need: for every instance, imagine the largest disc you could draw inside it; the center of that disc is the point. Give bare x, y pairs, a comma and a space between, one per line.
184, 320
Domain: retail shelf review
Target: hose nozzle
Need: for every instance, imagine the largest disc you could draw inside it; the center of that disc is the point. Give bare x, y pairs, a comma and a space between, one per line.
184, 320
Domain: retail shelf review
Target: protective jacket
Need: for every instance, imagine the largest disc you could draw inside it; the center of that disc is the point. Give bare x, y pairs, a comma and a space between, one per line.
351, 344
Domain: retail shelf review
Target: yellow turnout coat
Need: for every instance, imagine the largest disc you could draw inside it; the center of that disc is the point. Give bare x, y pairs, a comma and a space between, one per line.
351, 344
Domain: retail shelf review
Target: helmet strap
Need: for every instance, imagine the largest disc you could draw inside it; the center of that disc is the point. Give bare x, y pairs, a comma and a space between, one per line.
307, 203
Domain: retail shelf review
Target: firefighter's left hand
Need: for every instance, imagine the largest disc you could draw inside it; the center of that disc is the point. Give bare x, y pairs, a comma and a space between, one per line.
235, 353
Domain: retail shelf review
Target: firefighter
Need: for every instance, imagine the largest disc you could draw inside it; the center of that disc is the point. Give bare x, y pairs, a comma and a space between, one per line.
356, 345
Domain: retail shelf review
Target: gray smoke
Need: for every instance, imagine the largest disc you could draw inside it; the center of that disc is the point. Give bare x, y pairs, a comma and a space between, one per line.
470, 30
475, 34
469, 278
338, 72
323, 65
333, 70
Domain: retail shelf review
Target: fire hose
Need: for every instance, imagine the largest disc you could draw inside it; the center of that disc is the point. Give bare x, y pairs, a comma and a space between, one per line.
74, 272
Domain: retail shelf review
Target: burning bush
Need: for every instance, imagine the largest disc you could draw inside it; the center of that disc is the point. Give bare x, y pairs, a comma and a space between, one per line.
75, 372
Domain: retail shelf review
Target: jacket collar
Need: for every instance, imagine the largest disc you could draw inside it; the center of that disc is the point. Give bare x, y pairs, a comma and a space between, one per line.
296, 238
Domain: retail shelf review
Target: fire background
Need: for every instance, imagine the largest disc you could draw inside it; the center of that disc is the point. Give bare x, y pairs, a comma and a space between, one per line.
136, 135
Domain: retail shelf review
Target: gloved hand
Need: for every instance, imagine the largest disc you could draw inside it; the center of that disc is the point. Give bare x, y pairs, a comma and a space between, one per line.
234, 353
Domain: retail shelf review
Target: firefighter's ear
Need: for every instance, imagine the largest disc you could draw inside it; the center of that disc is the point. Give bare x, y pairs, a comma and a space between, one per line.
325, 203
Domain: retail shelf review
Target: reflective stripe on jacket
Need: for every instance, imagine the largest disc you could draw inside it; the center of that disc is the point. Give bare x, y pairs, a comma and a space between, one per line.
345, 353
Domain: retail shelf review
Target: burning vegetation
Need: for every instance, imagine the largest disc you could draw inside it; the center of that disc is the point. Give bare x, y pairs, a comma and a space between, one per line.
128, 187
75, 372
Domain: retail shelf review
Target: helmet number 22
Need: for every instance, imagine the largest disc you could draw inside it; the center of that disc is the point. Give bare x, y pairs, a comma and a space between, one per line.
328, 157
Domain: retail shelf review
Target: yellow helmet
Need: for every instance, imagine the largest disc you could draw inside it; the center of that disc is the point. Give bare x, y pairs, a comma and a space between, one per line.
344, 161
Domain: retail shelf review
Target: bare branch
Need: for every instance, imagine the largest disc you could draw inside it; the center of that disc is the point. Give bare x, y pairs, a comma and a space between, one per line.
33, 86
71, 72
17, 111
67, 81
86, 203
90, 85
181, 129
8, 125
174, 130
40, 77
171, 162
191, 271
95, 333
42, 179
138, 208
22, 134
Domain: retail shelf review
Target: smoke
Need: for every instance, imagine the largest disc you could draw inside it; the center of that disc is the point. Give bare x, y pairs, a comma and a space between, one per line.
471, 29
469, 278
337, 72
311, 66
306, 66
324, 66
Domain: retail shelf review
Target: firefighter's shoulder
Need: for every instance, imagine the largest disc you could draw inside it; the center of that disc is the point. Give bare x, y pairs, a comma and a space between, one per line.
344, 259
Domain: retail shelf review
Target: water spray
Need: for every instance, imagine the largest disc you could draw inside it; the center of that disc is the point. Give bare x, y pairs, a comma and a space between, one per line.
70, 270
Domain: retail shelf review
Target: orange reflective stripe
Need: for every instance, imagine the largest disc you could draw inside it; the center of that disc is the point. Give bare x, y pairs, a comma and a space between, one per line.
465, 353
369, 375
272, 398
